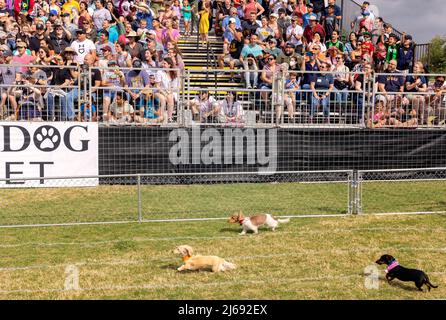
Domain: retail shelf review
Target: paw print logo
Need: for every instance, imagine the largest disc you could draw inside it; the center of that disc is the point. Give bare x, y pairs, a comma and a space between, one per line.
46, 138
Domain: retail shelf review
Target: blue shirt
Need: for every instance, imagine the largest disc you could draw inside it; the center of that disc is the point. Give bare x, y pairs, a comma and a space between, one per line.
309, 77
113, 34
306, 19
323, 81
228, 35
225, 22
411, 80
256, 50
392, 82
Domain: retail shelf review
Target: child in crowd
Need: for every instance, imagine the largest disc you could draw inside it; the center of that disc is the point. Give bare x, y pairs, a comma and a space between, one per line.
187, 16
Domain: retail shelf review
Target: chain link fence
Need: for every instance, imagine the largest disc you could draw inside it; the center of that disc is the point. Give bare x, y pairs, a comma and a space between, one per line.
210, 196
402, 191
157, 197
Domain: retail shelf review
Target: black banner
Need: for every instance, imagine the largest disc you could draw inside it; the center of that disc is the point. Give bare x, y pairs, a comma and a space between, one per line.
131, 150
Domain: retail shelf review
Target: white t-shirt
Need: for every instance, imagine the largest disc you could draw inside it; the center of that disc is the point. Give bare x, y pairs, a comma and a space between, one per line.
299, 32
99, 16
82, 49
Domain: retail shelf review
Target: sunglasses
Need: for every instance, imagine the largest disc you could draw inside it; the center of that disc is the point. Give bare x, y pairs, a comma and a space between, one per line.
271, 59
315, 49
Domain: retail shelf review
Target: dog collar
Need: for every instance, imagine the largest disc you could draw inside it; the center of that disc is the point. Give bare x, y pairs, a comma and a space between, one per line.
185, 258
391, 266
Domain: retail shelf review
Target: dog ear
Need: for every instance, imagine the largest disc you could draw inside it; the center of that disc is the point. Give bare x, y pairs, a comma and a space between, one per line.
188, 251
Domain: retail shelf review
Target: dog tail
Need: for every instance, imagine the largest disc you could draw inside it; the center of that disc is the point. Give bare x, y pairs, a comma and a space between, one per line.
228, 266
430, 284
283, 220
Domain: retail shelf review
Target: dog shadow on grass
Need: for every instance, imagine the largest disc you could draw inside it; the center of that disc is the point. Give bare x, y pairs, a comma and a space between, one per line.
398, 284
231, 230
171, 266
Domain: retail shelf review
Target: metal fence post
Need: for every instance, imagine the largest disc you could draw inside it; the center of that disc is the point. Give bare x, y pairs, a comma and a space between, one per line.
353, 193
139, 199
359, 193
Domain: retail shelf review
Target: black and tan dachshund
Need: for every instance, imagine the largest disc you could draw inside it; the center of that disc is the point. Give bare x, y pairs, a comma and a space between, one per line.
394, 270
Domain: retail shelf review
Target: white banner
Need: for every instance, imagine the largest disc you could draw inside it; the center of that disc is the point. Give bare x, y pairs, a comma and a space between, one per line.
48, 149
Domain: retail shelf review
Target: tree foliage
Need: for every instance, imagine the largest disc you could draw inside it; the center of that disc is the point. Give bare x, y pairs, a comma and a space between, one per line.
438, 55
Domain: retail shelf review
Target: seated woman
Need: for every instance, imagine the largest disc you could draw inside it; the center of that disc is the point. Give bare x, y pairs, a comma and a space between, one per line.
231, 109
417, 85
317, 42
267, 77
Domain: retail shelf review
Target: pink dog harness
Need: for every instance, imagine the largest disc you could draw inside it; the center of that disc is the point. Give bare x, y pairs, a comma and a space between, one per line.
391, 266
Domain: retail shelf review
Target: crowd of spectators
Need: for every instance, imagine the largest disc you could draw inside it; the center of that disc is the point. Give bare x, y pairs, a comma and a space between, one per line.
132, 47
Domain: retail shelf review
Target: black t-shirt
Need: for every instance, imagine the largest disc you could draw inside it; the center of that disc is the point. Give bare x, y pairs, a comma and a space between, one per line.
34, 43
59, 44
235, 48
95, 76
60, 75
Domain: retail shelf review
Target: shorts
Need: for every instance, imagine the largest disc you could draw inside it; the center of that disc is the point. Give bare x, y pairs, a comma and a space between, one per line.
228, 58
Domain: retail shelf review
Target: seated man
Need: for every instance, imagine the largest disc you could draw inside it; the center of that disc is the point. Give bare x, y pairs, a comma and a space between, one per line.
232, 48
206, 107
390, 88
254, 51
121, 111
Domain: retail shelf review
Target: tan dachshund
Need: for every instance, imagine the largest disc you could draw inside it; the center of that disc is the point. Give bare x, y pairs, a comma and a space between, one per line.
191, 262
253, 223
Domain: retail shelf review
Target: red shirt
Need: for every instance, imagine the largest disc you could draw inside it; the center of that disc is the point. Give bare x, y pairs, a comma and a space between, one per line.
367, 47
309, 32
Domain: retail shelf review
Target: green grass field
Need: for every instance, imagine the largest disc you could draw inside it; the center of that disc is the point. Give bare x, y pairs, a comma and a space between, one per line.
308, 258
120, 203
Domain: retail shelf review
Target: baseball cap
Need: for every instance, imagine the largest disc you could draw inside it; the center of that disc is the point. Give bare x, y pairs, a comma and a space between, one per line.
275, 15
309, 4
272, 40
232, 20
7, 53
40, 26
289, 45
408, 37
80, 31
312, 18
107, 47
53, 12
